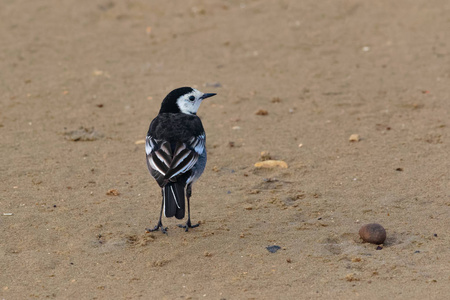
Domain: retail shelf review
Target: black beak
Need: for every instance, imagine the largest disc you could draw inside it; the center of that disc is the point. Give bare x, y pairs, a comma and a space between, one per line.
207, 95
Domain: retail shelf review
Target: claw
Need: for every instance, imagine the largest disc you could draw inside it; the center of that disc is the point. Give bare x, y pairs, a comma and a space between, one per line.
158, 226
188, 225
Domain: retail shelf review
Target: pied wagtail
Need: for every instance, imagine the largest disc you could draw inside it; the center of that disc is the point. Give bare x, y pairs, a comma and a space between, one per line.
176, 152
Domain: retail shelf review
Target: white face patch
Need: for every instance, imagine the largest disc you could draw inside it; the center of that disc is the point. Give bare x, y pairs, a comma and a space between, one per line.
189, 103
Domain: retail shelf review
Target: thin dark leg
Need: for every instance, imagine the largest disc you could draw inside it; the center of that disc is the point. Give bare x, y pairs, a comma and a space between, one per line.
159, 225
188, 223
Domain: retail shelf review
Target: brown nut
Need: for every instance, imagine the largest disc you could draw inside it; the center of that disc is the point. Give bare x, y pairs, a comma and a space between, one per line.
373, 233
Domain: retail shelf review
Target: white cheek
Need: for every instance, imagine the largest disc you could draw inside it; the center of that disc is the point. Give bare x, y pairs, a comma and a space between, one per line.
186, 107
189, 107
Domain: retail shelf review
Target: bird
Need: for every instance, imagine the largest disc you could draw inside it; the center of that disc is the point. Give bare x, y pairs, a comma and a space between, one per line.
176, 152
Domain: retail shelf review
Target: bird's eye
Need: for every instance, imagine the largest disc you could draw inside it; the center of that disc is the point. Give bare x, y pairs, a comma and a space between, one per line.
192, 98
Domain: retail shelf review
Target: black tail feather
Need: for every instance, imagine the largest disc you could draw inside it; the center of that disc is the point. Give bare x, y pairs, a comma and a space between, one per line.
174, 203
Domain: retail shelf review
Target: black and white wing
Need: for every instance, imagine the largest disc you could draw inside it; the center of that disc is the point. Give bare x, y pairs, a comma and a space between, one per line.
166, 165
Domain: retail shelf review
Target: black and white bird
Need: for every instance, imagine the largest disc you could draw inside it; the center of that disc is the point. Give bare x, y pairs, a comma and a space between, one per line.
176, 152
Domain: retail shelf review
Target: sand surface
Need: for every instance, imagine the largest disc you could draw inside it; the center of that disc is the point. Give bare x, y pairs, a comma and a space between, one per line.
80, 82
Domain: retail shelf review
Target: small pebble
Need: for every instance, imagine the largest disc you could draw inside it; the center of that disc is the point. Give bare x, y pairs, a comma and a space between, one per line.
271, 164
273, 249
276, 100
213, 84
354, 138
262, 112
373, 233
113, 192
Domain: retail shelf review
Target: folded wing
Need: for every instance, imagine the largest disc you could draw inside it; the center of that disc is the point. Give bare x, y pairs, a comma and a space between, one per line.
167, 164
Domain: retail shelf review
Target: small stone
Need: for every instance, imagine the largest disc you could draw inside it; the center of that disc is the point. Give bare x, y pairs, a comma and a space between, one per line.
262, 112
276, 100
268, 164
113, 192
354, 138
373, 233
213, 84
273, 249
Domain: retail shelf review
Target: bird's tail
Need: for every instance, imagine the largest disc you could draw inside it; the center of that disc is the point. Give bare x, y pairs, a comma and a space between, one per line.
174, 203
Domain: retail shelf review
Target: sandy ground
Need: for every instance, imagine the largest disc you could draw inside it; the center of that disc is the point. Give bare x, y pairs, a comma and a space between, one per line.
323, 70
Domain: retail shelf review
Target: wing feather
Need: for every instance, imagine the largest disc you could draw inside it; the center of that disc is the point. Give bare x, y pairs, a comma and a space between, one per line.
163, 157
166, 165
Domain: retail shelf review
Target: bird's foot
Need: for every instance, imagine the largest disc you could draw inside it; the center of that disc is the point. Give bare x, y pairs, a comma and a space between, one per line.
188, 225
158, 226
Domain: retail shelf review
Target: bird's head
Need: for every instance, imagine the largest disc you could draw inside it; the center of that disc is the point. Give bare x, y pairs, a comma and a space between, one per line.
183, 100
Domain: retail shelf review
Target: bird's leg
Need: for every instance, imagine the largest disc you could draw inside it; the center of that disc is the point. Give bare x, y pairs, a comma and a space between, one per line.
159, 225
188, 223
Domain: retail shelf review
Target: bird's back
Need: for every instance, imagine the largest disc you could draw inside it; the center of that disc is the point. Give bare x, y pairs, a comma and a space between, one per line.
175, 127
